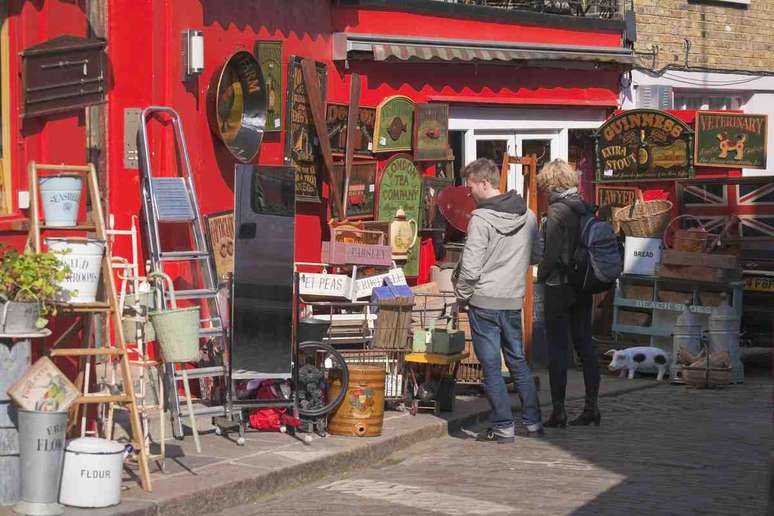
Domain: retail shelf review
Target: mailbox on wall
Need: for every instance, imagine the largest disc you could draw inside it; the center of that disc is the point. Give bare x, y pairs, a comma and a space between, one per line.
63, 74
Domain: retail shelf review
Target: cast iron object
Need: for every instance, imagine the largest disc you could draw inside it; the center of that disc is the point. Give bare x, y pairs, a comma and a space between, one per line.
237, 105
456, 205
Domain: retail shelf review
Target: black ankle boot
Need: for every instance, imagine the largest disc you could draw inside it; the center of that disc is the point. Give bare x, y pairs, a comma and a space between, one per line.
558, 418
587, 417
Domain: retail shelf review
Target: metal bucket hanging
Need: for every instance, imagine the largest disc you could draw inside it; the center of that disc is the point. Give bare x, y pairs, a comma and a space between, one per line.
177, 329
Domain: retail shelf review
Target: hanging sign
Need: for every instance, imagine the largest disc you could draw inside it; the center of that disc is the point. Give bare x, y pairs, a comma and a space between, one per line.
302, 151
365, 286
361, 194
269, 56
431, 132
643, 144
238, 98
731, 140
336, 122
400, 187
220, 231
394, 122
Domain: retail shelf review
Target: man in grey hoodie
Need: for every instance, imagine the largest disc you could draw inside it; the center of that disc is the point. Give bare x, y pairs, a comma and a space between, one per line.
491, 278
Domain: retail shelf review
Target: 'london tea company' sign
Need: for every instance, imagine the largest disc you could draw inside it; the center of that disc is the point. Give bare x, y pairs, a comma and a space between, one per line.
643, 144
302, 150
731, 140
400, 187
238, 99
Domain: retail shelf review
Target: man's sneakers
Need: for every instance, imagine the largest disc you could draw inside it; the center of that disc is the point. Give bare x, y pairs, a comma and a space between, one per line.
497, 435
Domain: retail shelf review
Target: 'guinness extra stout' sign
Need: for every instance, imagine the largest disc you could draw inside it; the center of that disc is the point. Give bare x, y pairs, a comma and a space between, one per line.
643, 144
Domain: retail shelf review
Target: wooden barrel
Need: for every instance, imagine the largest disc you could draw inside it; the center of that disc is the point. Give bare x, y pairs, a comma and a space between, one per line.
361, 413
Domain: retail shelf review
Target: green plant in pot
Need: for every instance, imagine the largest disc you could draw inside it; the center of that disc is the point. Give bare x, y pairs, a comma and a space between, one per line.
29, 284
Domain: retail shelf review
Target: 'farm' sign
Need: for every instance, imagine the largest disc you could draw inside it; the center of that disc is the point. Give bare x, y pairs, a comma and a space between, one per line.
643, 144
731, 140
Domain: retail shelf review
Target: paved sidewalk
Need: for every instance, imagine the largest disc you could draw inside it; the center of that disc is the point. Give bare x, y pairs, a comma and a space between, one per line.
225, 474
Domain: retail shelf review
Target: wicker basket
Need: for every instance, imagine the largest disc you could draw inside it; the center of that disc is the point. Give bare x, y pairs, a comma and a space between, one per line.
703, 377
645, 219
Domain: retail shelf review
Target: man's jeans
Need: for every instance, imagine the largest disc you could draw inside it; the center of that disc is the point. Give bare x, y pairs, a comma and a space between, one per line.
495, 330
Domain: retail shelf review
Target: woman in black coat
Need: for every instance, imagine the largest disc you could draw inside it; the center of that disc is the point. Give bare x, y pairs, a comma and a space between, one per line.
567, 312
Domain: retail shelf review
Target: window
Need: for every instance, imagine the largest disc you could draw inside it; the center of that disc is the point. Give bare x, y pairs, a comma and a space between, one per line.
703, 100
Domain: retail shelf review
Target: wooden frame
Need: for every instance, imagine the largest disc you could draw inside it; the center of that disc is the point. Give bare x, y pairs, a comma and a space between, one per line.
6, 179
394, 115
431, 132
725, 146
431, 187
300, 151
269, 56
360, 197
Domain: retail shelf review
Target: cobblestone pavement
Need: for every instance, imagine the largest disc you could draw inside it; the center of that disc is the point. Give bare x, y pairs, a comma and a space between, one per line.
667, 450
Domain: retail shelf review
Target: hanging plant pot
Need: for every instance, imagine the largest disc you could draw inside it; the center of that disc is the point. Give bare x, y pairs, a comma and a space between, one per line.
61, 196
177, 329
17, 317
85, 262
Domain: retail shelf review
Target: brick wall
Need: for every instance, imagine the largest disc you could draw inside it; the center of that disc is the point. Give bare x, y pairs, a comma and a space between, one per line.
722, 36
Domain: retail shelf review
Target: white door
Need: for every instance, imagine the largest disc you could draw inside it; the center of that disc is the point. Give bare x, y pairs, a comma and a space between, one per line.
547, 145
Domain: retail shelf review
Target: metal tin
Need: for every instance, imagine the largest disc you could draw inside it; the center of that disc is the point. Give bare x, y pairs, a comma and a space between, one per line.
724, 336
686, 336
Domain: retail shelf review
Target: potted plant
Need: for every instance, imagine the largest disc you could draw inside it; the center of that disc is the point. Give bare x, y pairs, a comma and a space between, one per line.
29, 284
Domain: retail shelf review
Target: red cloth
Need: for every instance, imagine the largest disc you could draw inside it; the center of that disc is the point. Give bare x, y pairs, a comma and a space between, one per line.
426, 260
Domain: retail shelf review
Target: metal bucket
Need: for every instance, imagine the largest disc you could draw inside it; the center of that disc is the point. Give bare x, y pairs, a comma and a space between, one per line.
14, 363
85, 262
41, 446
361, 414
16, 317
177, 330
61, 196
92, 472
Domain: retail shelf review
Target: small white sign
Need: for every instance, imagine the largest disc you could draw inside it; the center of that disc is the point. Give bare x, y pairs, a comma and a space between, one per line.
370, 146
382, 141
364, 286
326, 285
608, 172
371, 188
276, 122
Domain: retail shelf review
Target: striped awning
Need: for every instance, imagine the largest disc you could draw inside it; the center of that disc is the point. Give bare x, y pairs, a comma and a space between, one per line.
400, 48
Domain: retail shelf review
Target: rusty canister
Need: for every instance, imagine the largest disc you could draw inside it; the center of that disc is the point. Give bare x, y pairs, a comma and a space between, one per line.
361, 413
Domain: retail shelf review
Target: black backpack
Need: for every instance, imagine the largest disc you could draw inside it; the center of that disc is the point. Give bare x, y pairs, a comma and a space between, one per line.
598, 257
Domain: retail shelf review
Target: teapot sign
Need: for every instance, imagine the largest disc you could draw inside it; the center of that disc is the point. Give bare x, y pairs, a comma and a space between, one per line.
643, 144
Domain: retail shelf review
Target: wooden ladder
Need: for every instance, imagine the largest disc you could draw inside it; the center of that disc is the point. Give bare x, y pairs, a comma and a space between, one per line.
107, 306
529, 171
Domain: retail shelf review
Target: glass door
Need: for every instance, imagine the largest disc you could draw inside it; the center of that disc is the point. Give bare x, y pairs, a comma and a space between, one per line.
493, 145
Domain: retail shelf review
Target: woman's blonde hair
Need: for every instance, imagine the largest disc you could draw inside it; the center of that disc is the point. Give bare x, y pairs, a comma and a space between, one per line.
557, 176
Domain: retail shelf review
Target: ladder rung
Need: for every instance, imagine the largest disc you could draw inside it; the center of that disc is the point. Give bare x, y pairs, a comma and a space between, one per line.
198, 293
79, 227
84, 307
202, 411
210, 332
200, 372
80, 352
103, 398
169, 256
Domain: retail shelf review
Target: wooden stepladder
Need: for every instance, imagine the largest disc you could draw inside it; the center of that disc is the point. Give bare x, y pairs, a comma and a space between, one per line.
529, 171
107, 304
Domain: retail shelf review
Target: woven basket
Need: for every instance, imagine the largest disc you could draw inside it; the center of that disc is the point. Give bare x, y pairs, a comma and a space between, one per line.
645, 219
702, 377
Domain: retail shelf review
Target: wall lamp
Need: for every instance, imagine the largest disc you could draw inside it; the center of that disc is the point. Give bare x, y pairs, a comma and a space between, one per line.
193, 53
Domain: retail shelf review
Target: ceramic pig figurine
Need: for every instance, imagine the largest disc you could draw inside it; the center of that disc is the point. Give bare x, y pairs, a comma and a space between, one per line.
640, 358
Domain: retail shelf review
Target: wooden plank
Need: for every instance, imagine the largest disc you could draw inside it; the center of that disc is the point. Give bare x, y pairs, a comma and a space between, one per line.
698, 273
318, 117
353, 114
723, 261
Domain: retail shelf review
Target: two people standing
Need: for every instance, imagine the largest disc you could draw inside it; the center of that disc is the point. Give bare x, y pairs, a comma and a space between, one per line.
503, 241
